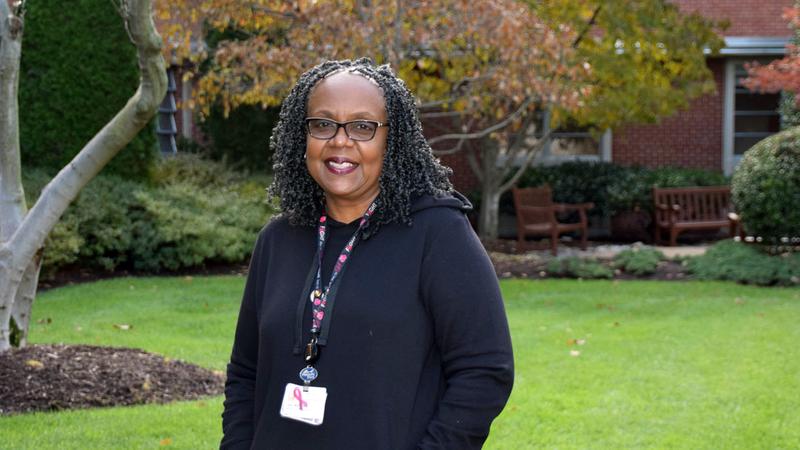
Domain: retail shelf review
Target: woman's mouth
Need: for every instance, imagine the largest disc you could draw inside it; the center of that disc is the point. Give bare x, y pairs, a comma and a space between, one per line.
340, 166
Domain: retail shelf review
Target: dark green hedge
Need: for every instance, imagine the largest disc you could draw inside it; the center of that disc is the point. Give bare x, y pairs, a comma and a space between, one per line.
78, 69
242, 139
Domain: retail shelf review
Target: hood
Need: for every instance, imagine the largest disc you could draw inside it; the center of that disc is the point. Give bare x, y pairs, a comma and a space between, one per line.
453, 199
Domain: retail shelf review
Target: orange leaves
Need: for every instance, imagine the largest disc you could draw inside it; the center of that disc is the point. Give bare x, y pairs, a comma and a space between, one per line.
488, 55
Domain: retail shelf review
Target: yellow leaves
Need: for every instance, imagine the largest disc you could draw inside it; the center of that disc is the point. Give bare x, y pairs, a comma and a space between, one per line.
165, 442
36, 364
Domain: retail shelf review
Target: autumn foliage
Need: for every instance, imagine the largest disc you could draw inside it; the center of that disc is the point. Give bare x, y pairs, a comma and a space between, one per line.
441, 48
782, 74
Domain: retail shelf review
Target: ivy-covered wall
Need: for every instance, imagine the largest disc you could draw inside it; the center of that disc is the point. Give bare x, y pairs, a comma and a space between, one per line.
78, 69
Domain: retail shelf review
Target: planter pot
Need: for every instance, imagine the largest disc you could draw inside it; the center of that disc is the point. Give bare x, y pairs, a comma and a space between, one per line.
631, 226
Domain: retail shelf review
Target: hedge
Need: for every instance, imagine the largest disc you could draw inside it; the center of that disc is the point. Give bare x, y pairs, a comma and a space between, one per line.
78, 69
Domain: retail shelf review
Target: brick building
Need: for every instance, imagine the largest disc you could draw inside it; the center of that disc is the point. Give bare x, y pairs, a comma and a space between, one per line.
717, 128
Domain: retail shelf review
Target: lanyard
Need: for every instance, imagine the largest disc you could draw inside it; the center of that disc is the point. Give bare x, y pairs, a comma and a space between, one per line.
318, 296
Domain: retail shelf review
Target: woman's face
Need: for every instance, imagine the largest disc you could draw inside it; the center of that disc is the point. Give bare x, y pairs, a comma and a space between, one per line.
347, 170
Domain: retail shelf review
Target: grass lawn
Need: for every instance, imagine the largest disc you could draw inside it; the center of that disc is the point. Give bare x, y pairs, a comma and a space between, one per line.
599, 364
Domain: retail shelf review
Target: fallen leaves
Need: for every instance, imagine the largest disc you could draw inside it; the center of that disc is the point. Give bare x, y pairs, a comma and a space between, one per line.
35, 363
165, 442
123, 326
572, 342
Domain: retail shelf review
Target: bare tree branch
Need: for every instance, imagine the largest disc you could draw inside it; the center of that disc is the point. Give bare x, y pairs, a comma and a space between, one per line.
450, 151
531, 155
486, 131
438, 114
272, 12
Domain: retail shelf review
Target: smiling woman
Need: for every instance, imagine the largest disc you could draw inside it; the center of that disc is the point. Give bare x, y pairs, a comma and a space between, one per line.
346, 160
416, 353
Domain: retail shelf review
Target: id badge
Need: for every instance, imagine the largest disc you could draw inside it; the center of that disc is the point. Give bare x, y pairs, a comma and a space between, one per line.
304, 405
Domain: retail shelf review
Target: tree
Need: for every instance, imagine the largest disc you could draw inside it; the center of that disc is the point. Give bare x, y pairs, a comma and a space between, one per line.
782, 74
490, 64
648, 58
492, 67
23, 231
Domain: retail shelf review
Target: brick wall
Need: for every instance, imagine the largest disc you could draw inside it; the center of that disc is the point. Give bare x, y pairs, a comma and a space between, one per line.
746, 17
463, 178
690, 138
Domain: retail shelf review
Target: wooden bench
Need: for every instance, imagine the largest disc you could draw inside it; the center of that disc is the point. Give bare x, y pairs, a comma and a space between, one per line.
536, 216
692, 208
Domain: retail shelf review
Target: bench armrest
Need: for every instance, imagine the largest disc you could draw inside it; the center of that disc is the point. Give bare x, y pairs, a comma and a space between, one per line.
665, 207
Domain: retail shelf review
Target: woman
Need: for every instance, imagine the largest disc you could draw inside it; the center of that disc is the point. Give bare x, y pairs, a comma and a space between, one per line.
416, 352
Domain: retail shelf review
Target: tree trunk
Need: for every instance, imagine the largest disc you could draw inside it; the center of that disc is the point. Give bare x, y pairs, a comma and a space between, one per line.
490, 192
12, 196
23, 302
18, 269
489, 214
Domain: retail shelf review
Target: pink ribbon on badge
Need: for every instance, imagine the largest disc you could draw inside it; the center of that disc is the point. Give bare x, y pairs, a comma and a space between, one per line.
298, 394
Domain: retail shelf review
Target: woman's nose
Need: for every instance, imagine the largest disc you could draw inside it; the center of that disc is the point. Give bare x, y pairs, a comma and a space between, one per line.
340, 138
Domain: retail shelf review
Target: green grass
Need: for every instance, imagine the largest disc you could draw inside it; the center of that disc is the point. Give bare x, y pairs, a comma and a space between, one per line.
663, 364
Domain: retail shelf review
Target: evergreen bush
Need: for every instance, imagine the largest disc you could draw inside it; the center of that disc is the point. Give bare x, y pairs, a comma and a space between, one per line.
766, 187
78, 69
638, 260
746, 263
195, 212
576, 267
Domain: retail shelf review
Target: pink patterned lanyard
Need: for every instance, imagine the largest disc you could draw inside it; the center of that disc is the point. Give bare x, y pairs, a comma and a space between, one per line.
318, 296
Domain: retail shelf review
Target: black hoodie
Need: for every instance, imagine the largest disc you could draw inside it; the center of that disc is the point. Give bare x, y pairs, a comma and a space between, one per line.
418, 353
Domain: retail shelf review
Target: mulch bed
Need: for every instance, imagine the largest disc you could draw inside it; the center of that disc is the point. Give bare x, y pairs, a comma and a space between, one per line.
509, 264
56, 377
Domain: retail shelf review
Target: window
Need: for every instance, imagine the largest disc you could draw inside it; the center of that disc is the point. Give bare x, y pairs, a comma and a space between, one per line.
755, 115
748, 116
571, 142
166, 129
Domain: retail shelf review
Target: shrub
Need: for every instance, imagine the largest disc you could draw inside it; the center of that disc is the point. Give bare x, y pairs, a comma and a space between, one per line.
766, 187
72, 83
638, 260
197, 212
183, 225
745, 263
574, 266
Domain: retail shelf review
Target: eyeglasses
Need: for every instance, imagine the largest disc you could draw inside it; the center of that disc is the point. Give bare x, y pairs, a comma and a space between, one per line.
357, 130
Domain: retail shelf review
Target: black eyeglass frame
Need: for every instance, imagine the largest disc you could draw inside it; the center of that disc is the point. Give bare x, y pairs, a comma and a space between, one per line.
344, 125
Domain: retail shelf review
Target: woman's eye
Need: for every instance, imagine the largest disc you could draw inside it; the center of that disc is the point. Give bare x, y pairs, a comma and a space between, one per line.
363, 126
324, 124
